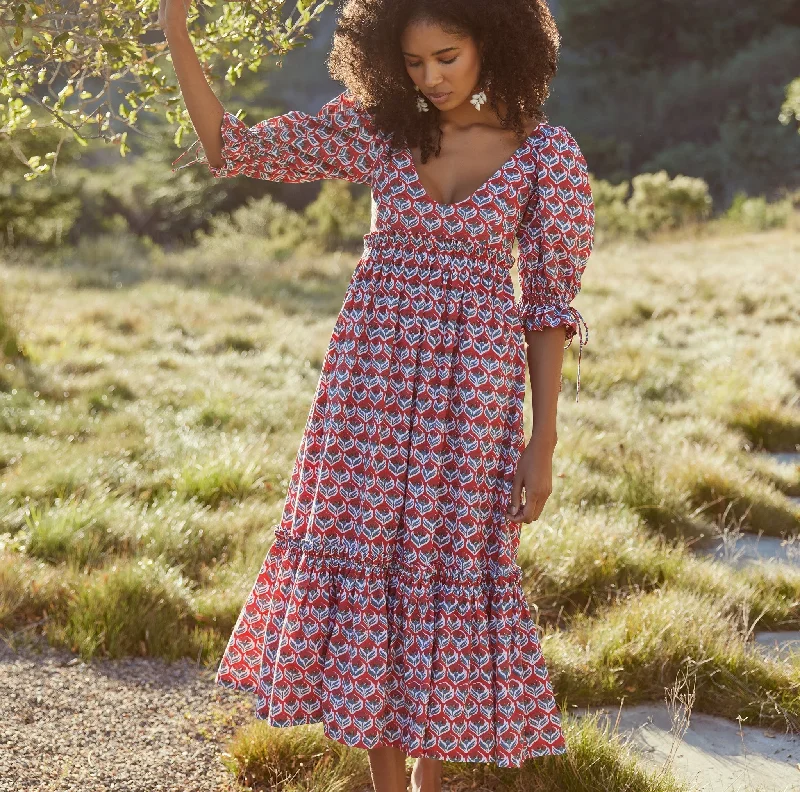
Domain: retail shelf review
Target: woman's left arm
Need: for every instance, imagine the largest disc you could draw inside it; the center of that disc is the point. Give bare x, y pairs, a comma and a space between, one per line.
555, 238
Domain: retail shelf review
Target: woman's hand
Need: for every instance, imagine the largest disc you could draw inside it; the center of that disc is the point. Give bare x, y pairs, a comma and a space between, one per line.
535, 475
173, 13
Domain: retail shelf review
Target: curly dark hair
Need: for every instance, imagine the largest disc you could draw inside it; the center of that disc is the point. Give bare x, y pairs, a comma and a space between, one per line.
518, 42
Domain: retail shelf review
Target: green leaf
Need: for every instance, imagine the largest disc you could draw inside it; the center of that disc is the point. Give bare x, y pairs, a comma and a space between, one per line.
107, 42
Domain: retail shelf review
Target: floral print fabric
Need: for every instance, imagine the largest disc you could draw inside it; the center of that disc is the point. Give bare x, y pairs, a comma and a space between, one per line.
390, 607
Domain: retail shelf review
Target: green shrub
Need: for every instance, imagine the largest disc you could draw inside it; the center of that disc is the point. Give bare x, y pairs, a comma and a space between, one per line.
757, 214
656, 203
38, 213
263, 218
144, 198
611, 209
10, 345
337, 219
659, 202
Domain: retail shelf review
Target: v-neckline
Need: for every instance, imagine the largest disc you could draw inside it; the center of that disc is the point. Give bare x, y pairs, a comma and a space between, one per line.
499, 172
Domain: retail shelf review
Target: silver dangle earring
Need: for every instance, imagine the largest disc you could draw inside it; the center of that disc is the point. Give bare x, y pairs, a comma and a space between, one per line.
422, 104
478, 99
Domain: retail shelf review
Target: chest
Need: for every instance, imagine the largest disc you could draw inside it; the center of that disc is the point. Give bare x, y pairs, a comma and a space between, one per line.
463, 165
490, 213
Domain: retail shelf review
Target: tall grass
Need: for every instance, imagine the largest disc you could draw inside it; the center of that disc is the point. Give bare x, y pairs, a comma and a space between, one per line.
638, 648
303, 759
145, 454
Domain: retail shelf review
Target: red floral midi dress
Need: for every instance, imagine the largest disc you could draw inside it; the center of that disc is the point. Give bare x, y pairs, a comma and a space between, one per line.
389, 606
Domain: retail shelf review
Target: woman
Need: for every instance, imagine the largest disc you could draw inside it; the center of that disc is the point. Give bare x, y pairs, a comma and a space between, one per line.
389, 607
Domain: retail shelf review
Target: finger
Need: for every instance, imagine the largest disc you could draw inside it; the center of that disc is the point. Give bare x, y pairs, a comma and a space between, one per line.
515, 516
539, 505
516, 494
528, 511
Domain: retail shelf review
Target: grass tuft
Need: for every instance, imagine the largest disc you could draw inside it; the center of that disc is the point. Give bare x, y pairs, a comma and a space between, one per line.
214, 481
300, 759
596, 759
134, 607
77, 532
637, 649
767, 429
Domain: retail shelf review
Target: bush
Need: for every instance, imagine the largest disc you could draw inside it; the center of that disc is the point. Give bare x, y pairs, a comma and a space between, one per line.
263, 218
610, 207
657, 203
10, 345
757, 214
39, 213
337, 218
146, 199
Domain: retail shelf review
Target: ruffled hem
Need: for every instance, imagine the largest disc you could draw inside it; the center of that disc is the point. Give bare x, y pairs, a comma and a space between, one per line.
235, 143
437, 662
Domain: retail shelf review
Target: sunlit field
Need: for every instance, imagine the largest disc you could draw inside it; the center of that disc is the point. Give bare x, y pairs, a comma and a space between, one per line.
149, 418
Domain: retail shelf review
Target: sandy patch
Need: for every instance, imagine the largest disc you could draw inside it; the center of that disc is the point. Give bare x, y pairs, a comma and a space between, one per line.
749, 549
715, 755
782, 644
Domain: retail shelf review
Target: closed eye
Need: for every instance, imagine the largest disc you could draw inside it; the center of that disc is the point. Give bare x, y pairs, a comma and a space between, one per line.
448, 62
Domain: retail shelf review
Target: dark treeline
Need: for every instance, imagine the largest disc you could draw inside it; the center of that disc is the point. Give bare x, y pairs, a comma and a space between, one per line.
690, 86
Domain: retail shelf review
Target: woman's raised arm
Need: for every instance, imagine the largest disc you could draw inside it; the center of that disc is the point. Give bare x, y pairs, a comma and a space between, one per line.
205, 110
339, 142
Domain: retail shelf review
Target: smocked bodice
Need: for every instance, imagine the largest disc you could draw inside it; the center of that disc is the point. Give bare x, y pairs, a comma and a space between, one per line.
540, 198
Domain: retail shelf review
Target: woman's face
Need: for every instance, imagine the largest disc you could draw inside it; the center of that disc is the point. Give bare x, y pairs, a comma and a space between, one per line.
445, 66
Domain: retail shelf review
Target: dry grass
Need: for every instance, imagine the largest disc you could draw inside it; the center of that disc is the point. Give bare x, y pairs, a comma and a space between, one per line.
146, 441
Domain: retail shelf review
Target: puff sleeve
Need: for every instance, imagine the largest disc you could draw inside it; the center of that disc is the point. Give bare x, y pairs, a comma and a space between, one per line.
555, 238
338, 142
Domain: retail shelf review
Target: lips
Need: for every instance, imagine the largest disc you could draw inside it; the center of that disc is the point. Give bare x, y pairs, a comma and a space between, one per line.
438, 97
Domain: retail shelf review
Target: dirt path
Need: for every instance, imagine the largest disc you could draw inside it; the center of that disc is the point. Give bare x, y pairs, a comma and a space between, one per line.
132, 725
715, 755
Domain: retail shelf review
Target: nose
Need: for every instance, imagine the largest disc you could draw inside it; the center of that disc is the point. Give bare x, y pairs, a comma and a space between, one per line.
432, 78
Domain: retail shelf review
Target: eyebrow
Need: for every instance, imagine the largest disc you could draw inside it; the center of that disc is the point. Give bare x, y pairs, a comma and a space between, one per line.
438, 52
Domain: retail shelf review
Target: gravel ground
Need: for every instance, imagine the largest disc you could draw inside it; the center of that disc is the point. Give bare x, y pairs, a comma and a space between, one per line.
122, 725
